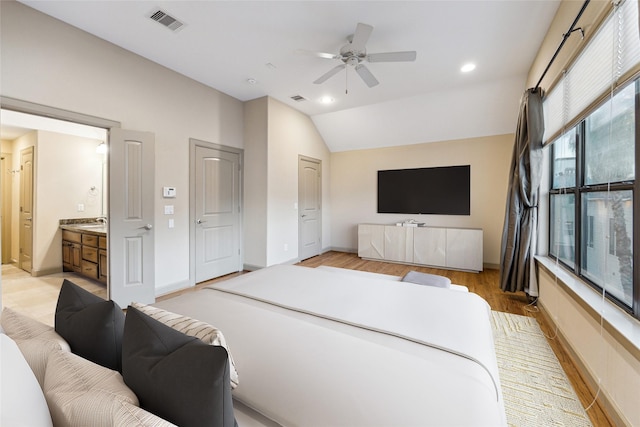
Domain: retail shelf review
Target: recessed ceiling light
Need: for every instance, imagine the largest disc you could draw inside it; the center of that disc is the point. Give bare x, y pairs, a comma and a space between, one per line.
468, 67
326, 100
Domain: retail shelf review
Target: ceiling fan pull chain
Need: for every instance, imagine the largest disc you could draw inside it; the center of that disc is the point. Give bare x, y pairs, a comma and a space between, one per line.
346, 81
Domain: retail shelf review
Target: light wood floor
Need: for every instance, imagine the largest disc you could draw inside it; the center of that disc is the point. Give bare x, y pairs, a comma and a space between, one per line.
37, 297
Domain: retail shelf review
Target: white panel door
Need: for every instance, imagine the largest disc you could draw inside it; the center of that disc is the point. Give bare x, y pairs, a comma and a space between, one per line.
217, 212
309, 208
131, 217
371, 241
429, 246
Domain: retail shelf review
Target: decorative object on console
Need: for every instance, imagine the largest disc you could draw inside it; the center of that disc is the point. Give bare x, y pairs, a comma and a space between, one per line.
92, 326
175, 376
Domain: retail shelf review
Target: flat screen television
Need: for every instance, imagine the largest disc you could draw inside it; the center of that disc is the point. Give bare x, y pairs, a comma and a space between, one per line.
438, 190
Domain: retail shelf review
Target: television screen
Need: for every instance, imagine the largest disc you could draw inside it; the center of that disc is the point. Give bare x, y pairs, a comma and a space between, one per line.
439, 190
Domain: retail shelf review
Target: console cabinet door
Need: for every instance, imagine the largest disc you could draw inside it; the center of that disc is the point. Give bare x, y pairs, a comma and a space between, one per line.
398, 243
371, 241
464, 249
429, 246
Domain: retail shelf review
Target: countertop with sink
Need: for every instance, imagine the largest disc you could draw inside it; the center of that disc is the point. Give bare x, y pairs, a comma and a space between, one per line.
85, 225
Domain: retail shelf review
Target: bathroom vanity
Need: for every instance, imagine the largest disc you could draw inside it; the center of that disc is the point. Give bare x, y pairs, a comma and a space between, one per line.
84, 249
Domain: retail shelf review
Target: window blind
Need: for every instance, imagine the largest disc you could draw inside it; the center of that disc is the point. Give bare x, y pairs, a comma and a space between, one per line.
612, 52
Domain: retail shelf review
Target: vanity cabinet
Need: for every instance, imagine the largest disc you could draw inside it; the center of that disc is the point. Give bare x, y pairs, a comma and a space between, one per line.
103, 266
85, 254
71, 251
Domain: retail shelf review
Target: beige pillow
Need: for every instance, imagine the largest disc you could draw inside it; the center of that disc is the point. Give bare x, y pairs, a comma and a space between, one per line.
35, 340
194, 328
82, 393
132, 416
20, 327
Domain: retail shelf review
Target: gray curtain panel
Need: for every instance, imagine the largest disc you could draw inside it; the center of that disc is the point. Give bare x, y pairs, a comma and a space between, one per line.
517, 268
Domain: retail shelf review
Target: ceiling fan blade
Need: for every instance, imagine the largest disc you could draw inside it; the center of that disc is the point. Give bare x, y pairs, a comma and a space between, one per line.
366, 75
360, 37
332, 72
317, 54
392, 56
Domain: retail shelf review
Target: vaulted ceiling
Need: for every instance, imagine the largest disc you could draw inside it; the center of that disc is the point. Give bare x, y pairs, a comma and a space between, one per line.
250, 49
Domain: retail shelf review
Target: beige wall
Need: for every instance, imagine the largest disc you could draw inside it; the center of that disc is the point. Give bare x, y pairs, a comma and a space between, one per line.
67, 167
597, 351
275, 135
291, 134
255, 182
51, 63
354, 187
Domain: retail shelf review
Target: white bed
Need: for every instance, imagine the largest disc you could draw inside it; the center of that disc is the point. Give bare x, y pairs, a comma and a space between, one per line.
321, 347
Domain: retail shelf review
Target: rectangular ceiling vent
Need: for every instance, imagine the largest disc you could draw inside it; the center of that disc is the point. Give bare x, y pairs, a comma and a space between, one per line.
298, 98
167, 20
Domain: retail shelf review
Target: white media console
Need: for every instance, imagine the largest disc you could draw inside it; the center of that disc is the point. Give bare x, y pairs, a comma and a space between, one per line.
443, 247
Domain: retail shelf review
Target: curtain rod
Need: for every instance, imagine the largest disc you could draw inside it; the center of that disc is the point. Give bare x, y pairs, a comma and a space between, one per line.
565, 36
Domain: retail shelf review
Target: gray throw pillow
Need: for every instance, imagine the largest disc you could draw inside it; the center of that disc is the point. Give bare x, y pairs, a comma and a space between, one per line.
92, 326
427, 279
175, 376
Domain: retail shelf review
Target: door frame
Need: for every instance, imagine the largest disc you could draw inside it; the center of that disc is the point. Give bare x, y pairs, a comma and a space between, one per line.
13, 104
319, 163
5, 206
193, 143
26, 196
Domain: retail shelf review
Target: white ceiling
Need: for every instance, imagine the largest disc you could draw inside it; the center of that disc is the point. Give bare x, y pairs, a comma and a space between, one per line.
225, 43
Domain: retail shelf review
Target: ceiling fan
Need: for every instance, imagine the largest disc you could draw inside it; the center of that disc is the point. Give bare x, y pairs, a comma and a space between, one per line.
354, 54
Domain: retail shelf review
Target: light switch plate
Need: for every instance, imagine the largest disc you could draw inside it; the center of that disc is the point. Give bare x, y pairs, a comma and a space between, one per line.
168, 209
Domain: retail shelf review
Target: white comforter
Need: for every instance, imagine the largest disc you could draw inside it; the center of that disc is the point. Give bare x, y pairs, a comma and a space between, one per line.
320, 348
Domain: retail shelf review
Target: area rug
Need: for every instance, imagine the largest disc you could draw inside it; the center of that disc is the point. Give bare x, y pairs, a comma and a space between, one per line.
535, 388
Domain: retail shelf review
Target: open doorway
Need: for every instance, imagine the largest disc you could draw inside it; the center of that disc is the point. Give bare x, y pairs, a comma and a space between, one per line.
66, 179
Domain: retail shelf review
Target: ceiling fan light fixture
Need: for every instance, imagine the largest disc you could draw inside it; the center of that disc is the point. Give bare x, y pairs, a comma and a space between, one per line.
468, 67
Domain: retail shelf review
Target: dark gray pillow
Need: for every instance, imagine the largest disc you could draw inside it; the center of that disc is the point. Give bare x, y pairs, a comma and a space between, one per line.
427, 279
92, 326
175, 376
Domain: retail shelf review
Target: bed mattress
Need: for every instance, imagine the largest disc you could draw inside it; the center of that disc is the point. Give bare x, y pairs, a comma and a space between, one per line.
316, 347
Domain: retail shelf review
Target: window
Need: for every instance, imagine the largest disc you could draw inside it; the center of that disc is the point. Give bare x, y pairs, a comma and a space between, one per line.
593, 185
591, 122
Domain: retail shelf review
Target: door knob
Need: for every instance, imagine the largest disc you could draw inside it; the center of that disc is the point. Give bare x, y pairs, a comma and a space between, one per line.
147, 227
199, 221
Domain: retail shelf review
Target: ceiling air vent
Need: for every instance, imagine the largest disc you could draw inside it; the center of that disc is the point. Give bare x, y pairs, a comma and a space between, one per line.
167, 20
298, 98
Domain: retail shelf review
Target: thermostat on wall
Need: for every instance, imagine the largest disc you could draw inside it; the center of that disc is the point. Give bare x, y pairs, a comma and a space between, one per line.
168, 192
